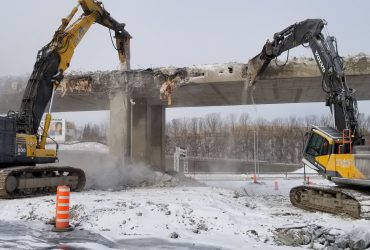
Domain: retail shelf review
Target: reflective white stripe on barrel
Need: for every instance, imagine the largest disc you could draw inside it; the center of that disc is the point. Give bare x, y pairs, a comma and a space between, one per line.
63, 197
62, 220
63, 204
62, 212
63, 189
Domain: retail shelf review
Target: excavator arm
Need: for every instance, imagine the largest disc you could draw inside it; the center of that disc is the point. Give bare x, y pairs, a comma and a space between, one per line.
333, 152
291, 37
66, 38
339, 97
54, 58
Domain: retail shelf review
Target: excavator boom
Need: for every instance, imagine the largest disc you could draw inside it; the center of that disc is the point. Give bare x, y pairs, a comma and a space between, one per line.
54, 58
121, 35
292, 36
339, 97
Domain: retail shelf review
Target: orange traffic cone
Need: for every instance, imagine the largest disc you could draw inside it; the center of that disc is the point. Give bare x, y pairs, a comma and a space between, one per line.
254, 178
276, 186
62, 211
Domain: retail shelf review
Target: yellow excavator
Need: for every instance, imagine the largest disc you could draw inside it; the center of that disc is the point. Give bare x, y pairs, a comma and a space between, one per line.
338, 153
22, 149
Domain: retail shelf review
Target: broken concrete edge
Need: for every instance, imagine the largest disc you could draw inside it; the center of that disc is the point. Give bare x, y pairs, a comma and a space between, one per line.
85, 83
166, 80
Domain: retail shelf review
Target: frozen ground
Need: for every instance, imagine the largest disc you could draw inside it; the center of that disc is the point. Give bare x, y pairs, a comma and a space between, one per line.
228, 213
223, 215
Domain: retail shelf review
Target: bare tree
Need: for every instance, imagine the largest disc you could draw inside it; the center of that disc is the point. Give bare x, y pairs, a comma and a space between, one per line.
213, 122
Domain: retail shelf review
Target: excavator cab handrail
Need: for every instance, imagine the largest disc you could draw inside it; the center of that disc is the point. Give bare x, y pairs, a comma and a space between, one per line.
347, 139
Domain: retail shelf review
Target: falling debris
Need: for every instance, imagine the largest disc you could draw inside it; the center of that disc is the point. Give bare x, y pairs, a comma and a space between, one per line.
170, 77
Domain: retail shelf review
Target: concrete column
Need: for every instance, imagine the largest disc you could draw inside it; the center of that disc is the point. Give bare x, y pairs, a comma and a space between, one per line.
140, 138
119, 135
157, 137
148, 125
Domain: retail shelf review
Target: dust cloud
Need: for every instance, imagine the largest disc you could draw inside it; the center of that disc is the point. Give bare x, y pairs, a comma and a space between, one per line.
104, 171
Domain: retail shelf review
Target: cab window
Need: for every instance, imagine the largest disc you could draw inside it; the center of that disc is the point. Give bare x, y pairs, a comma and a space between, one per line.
317, 145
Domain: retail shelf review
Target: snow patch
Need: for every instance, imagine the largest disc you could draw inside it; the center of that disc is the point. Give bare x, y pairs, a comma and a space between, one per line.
239, 217
308, 171
85, 146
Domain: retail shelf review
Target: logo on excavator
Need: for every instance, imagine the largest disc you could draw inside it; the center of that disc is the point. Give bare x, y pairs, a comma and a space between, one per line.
318, 58
344, 163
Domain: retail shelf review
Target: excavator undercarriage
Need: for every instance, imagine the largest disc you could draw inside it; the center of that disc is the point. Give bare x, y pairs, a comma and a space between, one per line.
19, 182
335, 200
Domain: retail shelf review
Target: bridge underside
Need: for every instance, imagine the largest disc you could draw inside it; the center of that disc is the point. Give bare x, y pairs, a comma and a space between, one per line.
267, 91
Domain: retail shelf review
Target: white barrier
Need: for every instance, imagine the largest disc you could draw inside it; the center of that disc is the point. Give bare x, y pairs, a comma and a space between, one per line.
183, 155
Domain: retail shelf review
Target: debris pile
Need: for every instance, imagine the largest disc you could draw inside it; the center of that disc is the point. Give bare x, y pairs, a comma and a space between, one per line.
140, 176
172, 179
318, 237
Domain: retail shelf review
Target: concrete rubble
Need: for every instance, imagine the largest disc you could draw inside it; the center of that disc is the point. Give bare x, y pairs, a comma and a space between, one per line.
318, 237
159, 179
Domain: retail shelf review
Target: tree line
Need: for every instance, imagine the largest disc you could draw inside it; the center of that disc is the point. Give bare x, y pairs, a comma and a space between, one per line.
236, 136
93, 133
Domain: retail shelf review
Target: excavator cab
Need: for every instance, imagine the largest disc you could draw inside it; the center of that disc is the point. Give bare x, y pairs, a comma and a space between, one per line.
330, 153
317, 145
317, 150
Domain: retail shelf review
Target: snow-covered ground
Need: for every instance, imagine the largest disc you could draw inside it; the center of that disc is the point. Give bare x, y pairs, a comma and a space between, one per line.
223, 215
219, 213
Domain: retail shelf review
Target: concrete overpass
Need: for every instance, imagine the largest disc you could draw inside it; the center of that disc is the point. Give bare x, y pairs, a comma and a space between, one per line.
137, 130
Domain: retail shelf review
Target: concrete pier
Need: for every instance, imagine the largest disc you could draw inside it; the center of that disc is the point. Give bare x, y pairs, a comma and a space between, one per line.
148, 130
119, 132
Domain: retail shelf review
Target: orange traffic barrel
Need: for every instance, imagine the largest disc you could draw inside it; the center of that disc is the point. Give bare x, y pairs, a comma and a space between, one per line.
254, 178
62, 210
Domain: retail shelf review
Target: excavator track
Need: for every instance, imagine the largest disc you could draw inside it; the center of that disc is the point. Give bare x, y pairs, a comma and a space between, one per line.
335, 200
20, 182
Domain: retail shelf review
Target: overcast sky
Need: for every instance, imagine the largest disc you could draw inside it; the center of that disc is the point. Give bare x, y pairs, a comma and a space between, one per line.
177, 32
